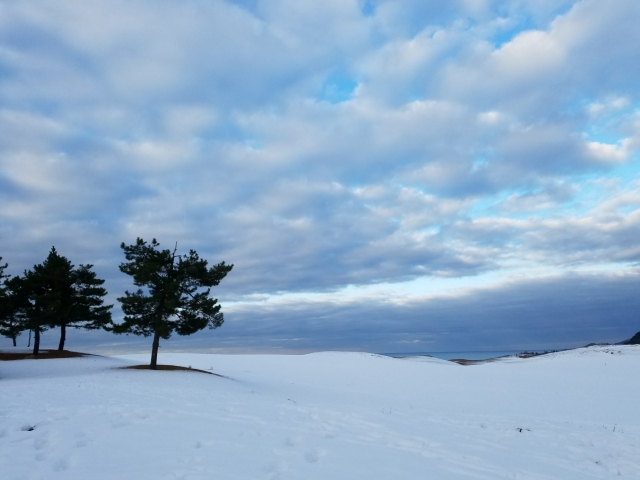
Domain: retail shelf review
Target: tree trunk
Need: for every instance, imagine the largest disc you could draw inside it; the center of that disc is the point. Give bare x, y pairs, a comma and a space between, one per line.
63, 336
14, 340
36, 341
29, 344
154, 351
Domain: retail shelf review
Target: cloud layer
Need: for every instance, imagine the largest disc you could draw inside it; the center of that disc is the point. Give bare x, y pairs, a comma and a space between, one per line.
322, 146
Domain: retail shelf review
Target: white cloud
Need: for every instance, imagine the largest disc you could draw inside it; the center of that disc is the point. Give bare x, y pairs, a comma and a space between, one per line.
550, 196
608, 105
607, 152
528, 57
491, 117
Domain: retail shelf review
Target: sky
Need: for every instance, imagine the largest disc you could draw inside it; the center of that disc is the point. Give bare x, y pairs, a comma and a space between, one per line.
385, 176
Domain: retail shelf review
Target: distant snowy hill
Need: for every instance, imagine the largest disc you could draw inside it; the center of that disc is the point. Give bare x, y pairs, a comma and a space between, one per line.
566, 415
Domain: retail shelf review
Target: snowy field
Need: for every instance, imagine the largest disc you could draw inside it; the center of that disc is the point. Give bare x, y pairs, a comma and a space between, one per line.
571, 415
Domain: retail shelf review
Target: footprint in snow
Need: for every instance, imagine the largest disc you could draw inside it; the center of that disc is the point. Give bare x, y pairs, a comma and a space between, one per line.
293, 441
41, 456
63, 464
274, 470
84, 439
314, 455
82, 443
41, 443
123, 422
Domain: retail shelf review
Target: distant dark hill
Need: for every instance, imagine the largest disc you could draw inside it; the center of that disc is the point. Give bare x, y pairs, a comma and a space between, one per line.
635, 340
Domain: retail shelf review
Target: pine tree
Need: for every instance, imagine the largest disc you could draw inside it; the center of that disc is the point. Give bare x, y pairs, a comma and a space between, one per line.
41, 293
55, 294
10, 323
4, 302
17, 306
2, 275
174, 300
86, 309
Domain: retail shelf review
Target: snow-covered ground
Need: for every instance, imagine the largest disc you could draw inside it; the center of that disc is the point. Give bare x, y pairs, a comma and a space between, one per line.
571, 415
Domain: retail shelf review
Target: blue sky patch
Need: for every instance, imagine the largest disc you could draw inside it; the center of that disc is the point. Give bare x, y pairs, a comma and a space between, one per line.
337, 88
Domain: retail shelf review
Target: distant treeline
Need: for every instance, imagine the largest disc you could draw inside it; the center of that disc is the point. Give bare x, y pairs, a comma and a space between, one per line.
172, 296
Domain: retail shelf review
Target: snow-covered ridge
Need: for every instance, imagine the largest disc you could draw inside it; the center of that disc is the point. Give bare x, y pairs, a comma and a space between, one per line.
329, 415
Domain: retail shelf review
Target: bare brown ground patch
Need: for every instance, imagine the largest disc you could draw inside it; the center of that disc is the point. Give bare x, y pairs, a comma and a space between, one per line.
43, 354
464, 361
171, 367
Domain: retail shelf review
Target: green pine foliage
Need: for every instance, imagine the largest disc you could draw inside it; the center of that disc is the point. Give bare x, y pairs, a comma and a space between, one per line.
173, 294
49, 288
87, 309
55, 294
16, 304
10, 323
2, 275
4, 296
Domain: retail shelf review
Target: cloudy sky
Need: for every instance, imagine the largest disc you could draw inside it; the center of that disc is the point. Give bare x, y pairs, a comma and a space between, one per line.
385, 175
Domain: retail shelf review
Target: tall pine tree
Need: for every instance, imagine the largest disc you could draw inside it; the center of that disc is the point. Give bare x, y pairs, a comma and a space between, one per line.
43, 289
175, 296
55, 294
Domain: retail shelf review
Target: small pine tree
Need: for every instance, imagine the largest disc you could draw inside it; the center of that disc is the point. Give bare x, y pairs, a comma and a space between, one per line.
17, 305
4, 301
82, 304
87, 309
10, 325
2, 275
173, 300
